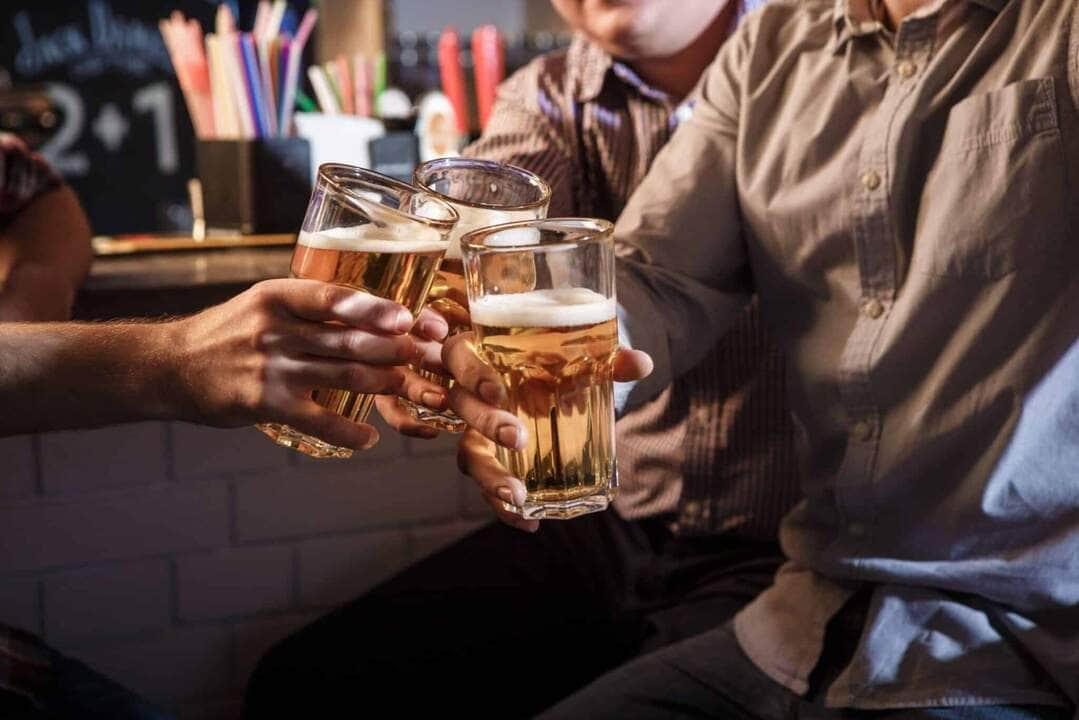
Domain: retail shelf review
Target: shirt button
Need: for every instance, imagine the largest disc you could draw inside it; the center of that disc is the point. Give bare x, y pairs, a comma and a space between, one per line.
907, 69
692, 509
873, 309
862, 431
871, 180
702, 416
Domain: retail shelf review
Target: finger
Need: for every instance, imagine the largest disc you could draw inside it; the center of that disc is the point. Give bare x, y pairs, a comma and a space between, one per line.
398, 418
310, 373
476, 458
511, 518
324, 302
332, 428
425, 392
298, 337
430, 325
500, 489
497, 425
459, 356
631, 365
429, 353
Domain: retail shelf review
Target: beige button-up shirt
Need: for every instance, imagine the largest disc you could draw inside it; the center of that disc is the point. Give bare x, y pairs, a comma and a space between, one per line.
904, 204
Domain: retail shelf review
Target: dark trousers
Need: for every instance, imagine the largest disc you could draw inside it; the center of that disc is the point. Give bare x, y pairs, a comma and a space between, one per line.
708, 676
504, 624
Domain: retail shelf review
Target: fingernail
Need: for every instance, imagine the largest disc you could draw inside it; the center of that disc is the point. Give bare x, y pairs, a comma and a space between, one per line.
434, 329
433, 400
491, 392
506, 495
403, 321
372, 440
508, 436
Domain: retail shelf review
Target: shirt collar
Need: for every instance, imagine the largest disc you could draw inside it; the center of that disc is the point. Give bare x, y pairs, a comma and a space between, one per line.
854, 18
593, 66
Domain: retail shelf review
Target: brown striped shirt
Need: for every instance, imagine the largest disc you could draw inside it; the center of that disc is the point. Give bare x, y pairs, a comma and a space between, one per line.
715, 446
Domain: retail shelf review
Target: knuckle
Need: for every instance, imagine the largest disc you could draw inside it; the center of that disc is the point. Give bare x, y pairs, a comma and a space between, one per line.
327, 295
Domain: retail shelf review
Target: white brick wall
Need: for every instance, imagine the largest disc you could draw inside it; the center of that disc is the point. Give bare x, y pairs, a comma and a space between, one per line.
171, 557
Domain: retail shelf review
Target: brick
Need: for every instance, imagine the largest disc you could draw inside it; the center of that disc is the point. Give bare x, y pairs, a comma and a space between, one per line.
200, 452
19, 604
132, 524
228, 707
118, 456
330, 498
169, 667
118, 599
471, 503
254, 638
18, 479
429, 540
336, 570
234, 582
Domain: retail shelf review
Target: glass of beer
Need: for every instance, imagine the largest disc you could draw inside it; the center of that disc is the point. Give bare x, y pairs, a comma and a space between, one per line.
483, 193
542, 301
369, 232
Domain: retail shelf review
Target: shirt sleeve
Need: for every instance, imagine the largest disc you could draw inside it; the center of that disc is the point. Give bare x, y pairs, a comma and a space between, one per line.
683, 274
520, 133
24, 175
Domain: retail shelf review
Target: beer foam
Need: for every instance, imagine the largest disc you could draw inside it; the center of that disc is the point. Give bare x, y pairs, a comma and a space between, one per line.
565, 307
434, 210
514, 237
372, 238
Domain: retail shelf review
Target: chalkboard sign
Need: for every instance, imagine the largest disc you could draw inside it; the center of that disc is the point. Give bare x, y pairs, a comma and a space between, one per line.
123, 140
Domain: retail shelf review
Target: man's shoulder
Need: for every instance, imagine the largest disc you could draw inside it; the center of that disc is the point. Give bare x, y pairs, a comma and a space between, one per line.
547, 75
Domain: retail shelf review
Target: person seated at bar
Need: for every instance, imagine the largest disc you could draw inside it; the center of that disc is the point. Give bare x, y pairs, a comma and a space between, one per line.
893, 178
255, 358
706, 469
44, 238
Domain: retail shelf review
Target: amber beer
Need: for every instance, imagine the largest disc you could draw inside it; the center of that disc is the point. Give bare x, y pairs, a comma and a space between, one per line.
483, 193
554, 348
393, 263
555, 352
369, 233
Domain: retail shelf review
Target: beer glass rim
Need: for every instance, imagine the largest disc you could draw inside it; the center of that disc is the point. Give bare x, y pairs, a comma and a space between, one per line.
585, 231
528, 176
330, 172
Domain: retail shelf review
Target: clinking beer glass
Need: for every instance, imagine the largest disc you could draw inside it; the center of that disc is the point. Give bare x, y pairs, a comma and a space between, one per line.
371, 233
553, 340
483, 193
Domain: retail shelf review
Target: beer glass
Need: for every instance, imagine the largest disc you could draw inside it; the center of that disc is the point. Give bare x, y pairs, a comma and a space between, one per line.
371, 233
483, 193
553, 341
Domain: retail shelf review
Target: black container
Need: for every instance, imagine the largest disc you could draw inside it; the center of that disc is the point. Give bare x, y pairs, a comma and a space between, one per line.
255, 186
395, 154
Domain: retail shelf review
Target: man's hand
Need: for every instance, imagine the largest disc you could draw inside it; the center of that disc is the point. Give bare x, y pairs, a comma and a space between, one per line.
480, 398
257, 357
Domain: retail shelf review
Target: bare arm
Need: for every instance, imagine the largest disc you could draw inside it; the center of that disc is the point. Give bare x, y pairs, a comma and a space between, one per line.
254, 358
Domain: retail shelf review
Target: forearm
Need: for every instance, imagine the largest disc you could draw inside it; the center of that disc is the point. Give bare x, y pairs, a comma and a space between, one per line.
673, 319
44, 255
59, 376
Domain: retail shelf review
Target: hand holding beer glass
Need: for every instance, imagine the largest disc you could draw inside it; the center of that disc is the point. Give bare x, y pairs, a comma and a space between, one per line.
553, 342
483, 193
371, 233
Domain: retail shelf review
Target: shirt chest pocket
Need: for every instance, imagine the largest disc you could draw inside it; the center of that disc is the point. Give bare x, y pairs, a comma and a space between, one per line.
995, 200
